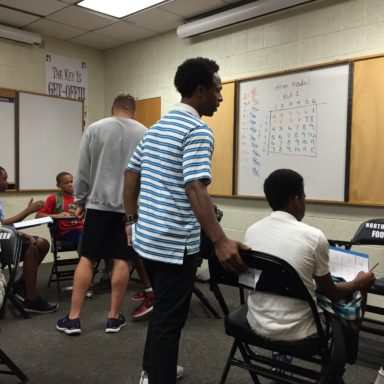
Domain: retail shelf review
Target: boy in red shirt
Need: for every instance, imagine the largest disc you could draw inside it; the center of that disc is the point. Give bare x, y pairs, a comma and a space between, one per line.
62, 204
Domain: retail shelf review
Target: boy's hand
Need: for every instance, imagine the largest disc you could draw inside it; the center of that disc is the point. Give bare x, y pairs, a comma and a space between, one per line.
34, 206
364, 280
80, 211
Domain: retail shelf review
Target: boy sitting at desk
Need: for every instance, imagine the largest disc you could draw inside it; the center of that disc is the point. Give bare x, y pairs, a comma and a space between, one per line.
33, 252
60, 205
306, 248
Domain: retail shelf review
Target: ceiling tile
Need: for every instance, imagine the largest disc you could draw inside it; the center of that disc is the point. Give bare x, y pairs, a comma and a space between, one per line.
125, 31
75, 16
38, 7
94, 40
50, 28
157, 20
188, 8
15, 18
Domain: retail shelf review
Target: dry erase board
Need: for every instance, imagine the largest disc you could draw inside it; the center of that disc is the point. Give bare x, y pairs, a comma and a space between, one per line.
49, 130
298, 121
7, 136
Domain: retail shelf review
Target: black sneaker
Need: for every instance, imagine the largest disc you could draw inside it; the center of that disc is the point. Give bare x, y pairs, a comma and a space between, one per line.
114, 325
39, 306
69, 326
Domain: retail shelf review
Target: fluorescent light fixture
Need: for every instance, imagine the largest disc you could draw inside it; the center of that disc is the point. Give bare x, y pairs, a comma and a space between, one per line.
19, 35
235, 15
118, 8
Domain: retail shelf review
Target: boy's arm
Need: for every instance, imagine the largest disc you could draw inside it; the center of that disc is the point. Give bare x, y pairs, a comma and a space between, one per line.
49, 209
33, 206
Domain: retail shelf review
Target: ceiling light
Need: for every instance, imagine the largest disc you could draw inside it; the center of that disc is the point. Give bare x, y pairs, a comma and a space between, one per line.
19, 35
119, 8
235, 15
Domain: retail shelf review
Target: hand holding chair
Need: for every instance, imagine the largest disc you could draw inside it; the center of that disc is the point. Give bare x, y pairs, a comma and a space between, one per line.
326, 352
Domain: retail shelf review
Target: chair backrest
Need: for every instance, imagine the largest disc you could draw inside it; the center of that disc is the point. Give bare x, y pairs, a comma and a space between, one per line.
370, 232
278, 277
10, 245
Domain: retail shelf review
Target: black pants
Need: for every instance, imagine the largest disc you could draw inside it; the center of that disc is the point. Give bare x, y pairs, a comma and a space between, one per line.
172, 286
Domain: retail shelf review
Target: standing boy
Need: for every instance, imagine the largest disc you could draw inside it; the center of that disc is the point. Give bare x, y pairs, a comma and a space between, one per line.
171, 169
104, 151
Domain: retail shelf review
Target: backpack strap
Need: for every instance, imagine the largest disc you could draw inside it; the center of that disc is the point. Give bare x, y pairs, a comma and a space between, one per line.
59, 202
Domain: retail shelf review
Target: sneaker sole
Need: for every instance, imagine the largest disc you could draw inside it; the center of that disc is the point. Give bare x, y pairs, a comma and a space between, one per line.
115, 330
30, 310
76, 331
142, 314
137, 300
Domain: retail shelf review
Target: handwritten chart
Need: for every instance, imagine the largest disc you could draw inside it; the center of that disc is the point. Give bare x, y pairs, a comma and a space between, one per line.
296, 121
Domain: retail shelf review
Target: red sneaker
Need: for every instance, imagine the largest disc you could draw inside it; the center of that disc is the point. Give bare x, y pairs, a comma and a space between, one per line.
145, 308
139, 296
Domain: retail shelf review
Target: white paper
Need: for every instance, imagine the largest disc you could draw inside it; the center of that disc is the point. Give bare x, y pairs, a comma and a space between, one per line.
347, 264
33, 222
250, 278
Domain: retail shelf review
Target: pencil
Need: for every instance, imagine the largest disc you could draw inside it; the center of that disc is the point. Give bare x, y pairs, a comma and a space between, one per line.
373, 267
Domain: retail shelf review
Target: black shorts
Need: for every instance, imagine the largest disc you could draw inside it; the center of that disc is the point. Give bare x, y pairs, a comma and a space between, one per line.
104, 236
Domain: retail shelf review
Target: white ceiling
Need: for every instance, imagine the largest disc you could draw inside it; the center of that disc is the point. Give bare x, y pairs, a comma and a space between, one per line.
64, 20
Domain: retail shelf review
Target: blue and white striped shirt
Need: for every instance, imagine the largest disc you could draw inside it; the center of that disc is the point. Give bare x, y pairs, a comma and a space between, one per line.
176, 150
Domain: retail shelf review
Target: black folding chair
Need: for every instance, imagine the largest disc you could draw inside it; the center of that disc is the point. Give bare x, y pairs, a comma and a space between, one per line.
63, 269
12, 368
371, 232
10, 252
324, 354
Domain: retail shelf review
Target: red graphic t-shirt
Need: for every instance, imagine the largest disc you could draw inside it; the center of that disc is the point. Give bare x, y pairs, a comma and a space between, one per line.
69, 205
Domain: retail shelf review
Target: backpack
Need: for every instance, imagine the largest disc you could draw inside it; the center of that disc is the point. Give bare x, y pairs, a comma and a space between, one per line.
59, 208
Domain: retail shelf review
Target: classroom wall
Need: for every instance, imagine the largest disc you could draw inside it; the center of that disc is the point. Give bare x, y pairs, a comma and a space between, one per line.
22, 67
319, 32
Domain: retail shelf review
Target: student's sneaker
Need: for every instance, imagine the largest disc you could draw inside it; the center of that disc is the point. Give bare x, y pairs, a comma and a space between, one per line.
145, 308
144, 375
139, 296
89, 294
19, 289
39, 306
114, 325
69, 326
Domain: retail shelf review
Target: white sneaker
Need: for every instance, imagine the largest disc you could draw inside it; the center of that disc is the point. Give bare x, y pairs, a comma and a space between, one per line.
144, 375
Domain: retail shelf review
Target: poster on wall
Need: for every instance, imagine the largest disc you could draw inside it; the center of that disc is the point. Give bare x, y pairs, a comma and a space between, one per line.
66, 77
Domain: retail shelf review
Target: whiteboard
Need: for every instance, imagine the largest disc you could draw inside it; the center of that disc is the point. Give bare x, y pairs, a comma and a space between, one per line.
50, 130
297, 121
7, 136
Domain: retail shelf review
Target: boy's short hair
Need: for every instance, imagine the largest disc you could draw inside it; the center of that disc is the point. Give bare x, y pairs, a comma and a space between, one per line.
60, 175
282, 185
125, 101
194, 72
2, 169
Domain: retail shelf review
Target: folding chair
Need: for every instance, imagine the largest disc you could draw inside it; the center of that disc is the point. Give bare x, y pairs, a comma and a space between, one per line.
280, 278
371, 232
63, 269
13, 369
10, 253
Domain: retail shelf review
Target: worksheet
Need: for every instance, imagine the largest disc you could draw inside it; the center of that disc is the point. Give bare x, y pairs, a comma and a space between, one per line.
346, 263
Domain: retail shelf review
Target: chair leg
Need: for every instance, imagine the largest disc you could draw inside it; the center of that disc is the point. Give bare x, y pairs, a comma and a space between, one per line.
205, 302
14, 369
246, 358
227, 366
219, 297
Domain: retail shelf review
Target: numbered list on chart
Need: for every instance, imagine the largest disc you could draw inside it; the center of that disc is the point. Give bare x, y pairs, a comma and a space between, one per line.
281, 120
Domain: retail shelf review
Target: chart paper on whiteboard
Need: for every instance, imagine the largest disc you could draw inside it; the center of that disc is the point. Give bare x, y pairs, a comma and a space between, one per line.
297, 121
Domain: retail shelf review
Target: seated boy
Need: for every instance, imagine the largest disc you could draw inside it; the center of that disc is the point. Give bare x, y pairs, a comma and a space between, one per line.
33, 252
282, 234
62, 204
